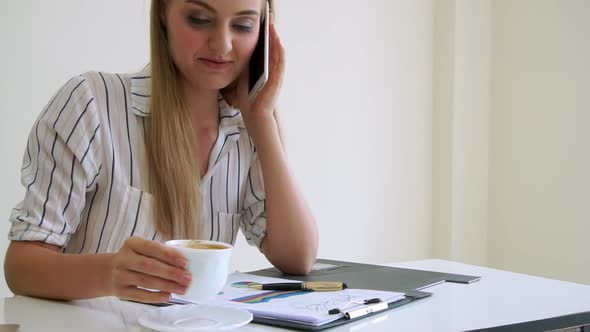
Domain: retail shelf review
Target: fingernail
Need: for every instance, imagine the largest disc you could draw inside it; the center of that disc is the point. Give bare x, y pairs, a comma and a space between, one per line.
180, 290
186, 278
181, 263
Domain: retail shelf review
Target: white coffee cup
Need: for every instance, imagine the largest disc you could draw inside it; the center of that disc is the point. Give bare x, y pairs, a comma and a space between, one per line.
208, 266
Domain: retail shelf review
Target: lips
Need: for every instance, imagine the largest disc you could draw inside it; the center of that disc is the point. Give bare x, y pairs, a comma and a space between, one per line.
215, 63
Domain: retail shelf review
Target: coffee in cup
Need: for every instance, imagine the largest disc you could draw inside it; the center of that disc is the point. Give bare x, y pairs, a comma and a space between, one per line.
197, 244
208, 263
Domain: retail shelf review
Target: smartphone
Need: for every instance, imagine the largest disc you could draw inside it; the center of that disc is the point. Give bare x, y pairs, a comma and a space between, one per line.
258, 67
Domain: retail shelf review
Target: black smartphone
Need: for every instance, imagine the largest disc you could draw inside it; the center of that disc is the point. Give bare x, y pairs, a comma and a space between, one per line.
258, 67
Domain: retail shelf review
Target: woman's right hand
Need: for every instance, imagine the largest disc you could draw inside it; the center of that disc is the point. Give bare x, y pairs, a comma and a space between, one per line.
147, 264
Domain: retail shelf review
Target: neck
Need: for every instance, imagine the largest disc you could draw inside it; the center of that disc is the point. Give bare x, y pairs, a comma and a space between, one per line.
203, 105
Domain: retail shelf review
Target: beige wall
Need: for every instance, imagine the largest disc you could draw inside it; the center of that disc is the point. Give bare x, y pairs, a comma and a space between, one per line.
540, 138
511, 127
461, 129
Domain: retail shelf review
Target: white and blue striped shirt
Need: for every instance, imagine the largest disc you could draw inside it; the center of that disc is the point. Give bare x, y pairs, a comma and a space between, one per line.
86, 176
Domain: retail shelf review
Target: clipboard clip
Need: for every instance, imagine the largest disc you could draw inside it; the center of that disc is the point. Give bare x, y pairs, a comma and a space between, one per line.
367, 307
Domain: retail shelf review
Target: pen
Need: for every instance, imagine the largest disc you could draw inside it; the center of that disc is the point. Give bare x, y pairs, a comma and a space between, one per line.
317, 286
355, 313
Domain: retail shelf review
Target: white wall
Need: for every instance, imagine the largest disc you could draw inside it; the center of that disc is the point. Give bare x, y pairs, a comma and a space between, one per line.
357, 110
475, 118
356, 107
44, 43
540, 155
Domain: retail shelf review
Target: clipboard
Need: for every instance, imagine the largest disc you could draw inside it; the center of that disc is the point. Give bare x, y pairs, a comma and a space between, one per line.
365, 276
343, 320
375, 277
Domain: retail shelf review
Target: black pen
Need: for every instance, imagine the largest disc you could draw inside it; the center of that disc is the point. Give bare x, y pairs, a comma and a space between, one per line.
316, 286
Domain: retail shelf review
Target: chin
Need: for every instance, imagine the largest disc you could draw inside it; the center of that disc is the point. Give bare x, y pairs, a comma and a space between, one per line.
213, 82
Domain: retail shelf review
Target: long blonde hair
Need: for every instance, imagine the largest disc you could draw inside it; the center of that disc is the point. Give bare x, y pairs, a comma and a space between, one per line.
173, 169
174, 172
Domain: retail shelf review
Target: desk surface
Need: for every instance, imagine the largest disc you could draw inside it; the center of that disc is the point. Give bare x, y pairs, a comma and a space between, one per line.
499, 298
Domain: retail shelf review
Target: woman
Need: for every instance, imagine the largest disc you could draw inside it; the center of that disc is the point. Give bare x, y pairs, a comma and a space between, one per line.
116, 164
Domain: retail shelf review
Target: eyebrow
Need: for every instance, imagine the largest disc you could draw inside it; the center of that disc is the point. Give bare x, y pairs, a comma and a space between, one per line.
211, 9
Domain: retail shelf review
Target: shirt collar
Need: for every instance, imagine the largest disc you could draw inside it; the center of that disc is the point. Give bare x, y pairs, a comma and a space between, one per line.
229, 116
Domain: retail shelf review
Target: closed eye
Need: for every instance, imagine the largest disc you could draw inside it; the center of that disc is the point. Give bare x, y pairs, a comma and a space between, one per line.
243, 28
197, 20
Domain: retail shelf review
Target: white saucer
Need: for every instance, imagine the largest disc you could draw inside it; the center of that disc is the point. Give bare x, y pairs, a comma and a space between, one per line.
194, 317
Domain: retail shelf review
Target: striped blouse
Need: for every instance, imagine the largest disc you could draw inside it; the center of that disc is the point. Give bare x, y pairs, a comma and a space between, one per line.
86, 176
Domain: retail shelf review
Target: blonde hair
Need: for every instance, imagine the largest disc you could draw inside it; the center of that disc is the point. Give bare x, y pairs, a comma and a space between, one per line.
173, 168
174, 173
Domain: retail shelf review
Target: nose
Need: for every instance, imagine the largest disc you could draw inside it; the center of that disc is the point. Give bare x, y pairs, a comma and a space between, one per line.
220, 41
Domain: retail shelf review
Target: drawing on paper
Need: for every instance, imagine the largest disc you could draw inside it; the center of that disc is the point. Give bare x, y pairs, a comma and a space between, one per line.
338, 301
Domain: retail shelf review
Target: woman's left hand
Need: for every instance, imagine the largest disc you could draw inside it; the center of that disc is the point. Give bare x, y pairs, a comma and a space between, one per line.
264, 104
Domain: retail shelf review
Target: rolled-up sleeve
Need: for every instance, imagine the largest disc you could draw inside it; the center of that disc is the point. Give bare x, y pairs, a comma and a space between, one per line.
253, 220
60, 164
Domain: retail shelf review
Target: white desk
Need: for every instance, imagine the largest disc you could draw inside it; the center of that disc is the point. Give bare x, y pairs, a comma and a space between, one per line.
499, 298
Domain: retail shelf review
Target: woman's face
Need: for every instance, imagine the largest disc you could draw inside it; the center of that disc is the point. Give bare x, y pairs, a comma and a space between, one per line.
211, 41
